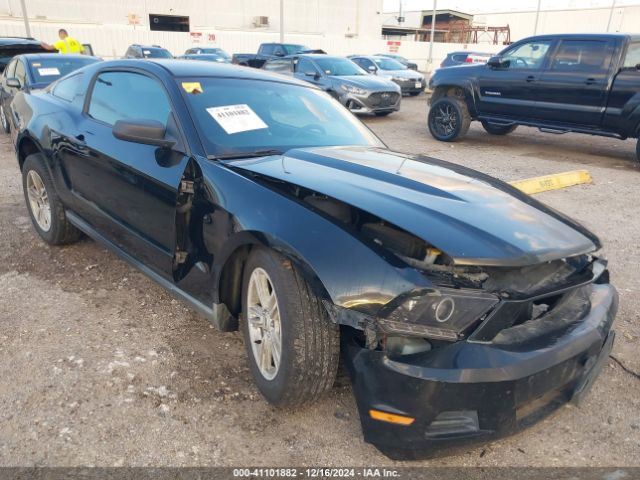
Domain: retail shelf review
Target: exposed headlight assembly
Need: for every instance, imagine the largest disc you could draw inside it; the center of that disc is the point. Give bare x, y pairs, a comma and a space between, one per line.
442, 314
352, 89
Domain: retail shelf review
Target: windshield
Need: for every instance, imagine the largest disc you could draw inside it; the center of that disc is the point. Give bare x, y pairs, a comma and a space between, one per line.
246, 115
216, 51
293, 49
384, 63
46, 70
156, 53
339, 66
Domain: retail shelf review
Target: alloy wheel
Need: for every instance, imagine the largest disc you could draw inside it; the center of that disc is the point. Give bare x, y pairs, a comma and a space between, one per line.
38, 200
263, 319
445, 120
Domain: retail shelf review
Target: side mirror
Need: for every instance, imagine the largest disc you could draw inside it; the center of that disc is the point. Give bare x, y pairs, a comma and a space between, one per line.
147, 132
498, 62
314, 75
279, 54
13, 82
372, 69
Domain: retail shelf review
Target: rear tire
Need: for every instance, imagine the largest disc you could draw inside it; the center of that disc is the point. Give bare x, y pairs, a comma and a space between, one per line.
44, 205
286, 308
448, 119
495, 129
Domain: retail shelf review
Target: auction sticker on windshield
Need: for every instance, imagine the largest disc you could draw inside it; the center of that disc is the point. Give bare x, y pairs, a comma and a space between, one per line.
45, 72
236, 118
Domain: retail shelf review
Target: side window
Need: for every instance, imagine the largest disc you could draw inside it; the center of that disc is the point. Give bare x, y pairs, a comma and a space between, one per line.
278, 50
365, 63
632, 59
10, 70
528, 55
306, 67
69, 89
20, 72
125, 95
581, 56
267, 49
279, 66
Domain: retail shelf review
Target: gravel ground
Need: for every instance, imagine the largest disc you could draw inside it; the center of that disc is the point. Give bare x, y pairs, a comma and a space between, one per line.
99, 366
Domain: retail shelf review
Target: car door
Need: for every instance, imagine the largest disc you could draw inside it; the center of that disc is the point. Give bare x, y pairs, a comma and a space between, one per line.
508, 90
129, 190
573, 88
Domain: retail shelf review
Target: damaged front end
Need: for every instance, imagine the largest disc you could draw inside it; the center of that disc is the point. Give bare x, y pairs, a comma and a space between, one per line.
482, 354
504, 313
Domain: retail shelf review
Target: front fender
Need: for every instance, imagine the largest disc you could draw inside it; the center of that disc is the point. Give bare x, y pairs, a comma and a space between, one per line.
246, 212
468, 85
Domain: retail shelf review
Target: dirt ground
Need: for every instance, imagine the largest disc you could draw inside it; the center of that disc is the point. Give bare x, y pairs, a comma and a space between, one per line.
99, 366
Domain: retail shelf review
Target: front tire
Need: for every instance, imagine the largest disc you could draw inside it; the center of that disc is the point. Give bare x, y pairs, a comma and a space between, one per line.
382, 114
292, 345
495, 129
448, 119
4, 120
44, 205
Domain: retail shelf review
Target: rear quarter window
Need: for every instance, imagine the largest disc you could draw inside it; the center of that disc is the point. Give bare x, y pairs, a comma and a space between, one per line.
70, 89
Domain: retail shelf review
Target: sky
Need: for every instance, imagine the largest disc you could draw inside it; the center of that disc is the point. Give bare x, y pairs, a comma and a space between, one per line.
475, 6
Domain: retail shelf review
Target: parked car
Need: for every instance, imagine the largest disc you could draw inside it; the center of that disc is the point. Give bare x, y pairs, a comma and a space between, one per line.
34, 71
464, 58
409, 81
400, 59
12, 46
461, 303
344, 80
558, 83
205, 57
147, 51
209, 54
267, 51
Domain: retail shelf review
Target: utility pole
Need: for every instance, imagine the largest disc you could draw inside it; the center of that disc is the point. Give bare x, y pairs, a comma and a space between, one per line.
400, 20
433, 32
613, 6
25, 16
281, 21
535, 27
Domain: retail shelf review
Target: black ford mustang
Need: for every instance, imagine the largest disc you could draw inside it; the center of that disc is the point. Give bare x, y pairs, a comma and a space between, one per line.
465, 309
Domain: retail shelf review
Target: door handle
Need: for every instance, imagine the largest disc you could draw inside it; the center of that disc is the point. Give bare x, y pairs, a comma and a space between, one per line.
590, 81
530, 78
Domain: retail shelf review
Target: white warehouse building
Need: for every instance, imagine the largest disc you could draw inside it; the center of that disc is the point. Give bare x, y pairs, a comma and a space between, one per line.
337, 26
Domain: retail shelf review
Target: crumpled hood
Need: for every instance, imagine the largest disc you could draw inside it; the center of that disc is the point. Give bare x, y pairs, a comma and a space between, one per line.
474, 218
367, 82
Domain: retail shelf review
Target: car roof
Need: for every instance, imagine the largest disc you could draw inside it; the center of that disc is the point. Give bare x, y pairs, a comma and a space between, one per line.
601, 36
21, 40
39, 56
188, 68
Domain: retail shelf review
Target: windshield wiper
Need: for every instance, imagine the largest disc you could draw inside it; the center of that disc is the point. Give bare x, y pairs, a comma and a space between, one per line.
253, 154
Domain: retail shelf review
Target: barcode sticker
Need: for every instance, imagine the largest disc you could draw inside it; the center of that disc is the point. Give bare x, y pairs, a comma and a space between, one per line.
45, 72
236, 118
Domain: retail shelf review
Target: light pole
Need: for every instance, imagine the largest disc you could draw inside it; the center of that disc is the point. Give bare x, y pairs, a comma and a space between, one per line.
433, 31
25, 16
535, 27
281, 21
613, 6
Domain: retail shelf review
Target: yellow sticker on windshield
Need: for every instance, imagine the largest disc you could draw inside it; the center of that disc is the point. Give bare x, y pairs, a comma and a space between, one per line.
34, 64
192, 87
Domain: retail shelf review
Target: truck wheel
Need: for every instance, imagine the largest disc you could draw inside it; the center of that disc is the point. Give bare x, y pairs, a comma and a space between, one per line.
292, 345
448, 119
495, 129
45, 208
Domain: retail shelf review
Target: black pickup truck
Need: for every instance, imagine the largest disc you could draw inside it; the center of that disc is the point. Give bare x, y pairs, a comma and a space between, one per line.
267, 51
558, 83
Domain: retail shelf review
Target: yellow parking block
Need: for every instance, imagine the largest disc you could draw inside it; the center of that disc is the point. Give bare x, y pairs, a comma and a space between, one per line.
552, 182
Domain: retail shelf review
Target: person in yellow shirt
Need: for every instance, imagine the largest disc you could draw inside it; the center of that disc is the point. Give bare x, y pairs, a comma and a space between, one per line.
66, 44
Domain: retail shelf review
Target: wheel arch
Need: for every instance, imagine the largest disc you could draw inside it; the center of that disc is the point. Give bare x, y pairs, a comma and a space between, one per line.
26, 146
464, 92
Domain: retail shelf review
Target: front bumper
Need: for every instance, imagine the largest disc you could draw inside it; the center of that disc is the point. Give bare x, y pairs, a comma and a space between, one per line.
374, 102
487, 391
411, 86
